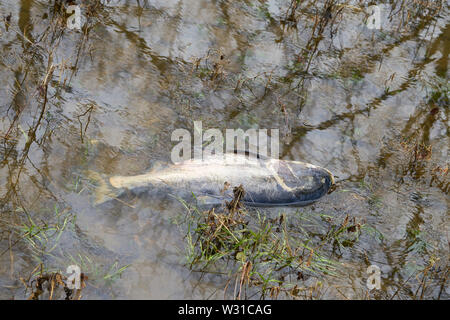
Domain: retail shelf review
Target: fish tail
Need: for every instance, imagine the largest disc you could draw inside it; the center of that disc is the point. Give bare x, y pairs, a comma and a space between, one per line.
104, 191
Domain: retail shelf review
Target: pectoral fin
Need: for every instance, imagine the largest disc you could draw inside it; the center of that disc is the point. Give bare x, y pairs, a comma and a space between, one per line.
208, 200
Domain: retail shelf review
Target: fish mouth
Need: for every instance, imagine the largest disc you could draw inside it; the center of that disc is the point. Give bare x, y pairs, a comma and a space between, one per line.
327, 183
332, 186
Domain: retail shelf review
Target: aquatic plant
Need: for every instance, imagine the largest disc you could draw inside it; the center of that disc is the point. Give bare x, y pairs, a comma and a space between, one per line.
263, 256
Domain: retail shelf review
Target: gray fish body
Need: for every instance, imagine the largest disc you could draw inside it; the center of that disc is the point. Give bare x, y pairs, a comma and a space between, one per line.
267, 182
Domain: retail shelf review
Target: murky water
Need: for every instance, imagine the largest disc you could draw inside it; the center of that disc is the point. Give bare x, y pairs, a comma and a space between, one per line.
370, 105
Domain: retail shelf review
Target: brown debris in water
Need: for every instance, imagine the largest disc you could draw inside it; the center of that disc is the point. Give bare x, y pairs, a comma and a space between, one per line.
235, 204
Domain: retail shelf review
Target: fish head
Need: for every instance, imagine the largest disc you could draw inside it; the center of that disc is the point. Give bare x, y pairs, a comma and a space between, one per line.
306, 181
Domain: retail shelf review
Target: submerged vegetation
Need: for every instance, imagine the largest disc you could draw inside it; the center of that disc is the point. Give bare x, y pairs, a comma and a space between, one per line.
261, 257
258, 257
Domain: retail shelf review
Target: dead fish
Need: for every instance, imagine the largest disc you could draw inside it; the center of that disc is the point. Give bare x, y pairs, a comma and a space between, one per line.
266, 181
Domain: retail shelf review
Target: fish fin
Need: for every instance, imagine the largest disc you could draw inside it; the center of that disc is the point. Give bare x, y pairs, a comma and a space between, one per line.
208, 200
104, 191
